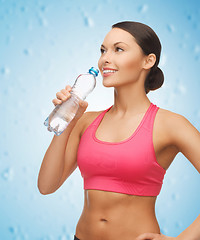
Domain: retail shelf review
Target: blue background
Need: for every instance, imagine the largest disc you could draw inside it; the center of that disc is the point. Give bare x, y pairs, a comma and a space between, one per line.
45, 45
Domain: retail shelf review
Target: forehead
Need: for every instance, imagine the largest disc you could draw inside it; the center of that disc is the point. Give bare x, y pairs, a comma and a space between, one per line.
118, 35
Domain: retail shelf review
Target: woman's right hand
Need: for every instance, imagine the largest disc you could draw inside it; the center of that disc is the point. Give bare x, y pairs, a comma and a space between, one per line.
64, 95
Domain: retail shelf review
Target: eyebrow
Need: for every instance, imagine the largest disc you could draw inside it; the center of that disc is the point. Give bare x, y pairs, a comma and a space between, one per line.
114, 44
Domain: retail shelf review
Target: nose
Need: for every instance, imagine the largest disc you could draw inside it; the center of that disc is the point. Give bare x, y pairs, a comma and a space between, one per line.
106, 58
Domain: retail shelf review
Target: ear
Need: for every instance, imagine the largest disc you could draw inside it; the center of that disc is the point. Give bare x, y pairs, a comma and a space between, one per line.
149, 61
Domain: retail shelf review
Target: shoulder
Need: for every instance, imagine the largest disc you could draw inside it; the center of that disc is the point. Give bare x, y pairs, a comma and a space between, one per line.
171, 119
173, 125
87, 119
90, 115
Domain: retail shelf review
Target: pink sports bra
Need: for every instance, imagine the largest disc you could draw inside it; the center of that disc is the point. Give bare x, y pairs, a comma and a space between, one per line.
128, 166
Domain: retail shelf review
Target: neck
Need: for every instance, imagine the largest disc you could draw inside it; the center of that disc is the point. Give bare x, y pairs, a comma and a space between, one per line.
130, 100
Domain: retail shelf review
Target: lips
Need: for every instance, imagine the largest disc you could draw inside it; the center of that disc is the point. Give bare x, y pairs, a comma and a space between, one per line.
109, 69
108, 74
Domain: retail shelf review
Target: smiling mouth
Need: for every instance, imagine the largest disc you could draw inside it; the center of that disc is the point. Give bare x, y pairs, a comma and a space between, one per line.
107, 74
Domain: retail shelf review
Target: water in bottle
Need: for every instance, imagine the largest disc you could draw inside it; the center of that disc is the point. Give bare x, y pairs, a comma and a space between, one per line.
63, 113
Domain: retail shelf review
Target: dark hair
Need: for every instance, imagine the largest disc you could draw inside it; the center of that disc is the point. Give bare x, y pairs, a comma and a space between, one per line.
149, 42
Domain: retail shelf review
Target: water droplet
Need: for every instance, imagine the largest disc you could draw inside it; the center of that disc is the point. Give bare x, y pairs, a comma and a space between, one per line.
27, 51
5, 153
163, 60
99, 7
189, 17
180, 88
52, 42
5, 70
63, 237
30, 25
197, 49
163, 230
43, 8
175, 196
197, 52
13, 230
43, 21
9, 39
170, 28
8, 174
178, 224
172, 180
143, 8
88, 21
23, 9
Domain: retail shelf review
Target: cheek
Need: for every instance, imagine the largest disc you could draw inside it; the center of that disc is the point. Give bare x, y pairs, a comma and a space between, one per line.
131, 64
99, 64
99, 61
130, 68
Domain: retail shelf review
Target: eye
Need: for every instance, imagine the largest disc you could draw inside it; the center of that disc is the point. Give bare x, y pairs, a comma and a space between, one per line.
119, 48
102, 50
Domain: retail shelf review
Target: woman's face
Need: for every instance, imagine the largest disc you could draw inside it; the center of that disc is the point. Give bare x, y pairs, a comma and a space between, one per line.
126, 57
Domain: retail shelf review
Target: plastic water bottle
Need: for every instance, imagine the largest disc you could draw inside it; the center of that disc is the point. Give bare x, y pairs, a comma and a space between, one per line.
63, 113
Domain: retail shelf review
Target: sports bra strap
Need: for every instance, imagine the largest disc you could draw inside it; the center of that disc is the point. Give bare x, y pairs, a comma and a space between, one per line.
149, 121
100, 116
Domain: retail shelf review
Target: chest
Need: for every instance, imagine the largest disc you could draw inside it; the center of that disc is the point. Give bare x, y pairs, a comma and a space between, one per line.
117, 130
113, 130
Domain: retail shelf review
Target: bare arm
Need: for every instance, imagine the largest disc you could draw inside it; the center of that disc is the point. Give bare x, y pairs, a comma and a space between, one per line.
192, 232
187, 139
60, 156
53, 162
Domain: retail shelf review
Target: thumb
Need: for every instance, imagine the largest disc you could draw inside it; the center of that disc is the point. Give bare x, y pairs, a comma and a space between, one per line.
82, 108
147, 236
83, 104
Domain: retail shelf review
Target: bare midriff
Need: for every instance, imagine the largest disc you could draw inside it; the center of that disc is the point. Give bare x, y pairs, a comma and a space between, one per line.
116, 216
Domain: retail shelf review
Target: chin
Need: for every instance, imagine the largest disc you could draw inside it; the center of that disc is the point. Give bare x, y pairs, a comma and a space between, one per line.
110, 83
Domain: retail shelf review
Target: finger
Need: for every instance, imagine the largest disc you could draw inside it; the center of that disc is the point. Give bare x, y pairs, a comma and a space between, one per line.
82, 107
61, 96
68, 87
66, 92
83, 104
56, 101
149, 236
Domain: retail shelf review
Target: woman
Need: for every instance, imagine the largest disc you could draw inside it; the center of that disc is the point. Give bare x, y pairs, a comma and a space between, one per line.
123, 152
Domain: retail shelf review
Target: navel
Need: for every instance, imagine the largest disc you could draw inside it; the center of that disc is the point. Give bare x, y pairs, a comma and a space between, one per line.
103, 220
